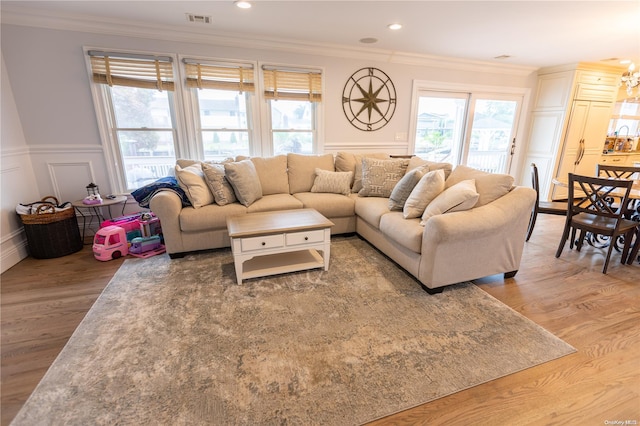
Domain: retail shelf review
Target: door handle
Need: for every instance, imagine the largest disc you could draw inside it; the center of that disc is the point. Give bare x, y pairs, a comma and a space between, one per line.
580, 152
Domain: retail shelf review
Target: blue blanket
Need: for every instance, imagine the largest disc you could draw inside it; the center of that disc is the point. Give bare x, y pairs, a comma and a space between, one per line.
143, 195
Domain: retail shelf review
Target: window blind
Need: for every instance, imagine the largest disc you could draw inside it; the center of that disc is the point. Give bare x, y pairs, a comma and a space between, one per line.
223, 77
293, 85
120, 69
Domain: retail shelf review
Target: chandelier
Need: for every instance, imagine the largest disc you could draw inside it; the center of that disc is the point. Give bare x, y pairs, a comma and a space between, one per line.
630, 78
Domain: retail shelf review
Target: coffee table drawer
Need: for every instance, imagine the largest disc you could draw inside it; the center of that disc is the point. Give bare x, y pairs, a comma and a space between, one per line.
306, 237
260, 243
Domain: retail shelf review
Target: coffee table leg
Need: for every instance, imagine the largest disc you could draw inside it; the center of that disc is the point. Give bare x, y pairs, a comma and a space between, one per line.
327, 248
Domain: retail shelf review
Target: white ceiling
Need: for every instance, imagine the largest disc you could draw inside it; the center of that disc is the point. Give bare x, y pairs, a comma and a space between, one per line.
533, 33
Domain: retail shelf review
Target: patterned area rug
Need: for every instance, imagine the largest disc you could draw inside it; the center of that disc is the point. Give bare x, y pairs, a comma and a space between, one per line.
179, 342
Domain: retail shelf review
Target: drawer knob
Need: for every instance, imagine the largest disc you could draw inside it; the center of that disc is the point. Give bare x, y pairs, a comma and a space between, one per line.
264, 244
306, 238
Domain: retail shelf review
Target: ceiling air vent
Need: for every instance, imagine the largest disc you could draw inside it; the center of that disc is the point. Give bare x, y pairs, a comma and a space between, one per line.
198, 19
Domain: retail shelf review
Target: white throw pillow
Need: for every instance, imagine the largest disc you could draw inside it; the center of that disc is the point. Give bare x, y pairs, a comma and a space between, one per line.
429, 187
191, 180
461, 196
333, 182
243, 177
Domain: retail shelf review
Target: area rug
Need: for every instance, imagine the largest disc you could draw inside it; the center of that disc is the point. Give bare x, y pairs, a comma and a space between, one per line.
173, 342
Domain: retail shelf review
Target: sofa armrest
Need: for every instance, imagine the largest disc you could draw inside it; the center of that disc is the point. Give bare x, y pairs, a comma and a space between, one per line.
475, 243
167, 207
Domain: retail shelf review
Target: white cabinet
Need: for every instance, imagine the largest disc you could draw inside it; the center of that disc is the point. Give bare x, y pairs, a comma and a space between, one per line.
584, 139
569, 122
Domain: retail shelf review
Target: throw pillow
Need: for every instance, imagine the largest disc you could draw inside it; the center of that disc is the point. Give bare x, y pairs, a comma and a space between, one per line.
301, 169
379, 177
334, 182
490, 186
272, 172
191, 180
350, 162
403, 188
220, 187
461, 196
425, 191
243, 177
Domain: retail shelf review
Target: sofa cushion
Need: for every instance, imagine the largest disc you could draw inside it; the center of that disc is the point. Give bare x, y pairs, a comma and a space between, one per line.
490, 186
209, 217
350, 162
329, 205
272, 172
302, 170
418, 162
403, 188
407, 233
461, 196
333, 182
243, 177
379, 177
429, 187
191, 180
273, 202
371, 209
214, 176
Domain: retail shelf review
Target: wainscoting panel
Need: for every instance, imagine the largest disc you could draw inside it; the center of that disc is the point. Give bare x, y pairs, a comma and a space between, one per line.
70, 179
18, 185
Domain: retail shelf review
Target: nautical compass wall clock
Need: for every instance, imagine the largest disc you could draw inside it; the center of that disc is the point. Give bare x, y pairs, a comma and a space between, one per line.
369, 99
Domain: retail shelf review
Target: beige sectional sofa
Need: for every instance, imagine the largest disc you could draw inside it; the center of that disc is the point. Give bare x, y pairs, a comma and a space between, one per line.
356, 192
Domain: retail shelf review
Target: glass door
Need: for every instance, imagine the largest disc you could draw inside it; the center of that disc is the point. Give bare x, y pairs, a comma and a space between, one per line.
491, 141
465, 128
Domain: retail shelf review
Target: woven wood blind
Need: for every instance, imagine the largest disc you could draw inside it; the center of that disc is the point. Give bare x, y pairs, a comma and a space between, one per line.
293, 85
204, 76
142, 72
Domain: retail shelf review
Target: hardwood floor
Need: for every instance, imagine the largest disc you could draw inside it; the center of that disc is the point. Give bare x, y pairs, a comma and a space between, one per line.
43, 301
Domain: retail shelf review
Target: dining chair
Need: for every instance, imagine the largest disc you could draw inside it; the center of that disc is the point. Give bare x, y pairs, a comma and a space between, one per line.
546, 207
595, 214
618, 172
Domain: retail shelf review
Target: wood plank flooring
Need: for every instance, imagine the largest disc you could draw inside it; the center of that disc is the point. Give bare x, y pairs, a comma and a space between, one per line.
43, 301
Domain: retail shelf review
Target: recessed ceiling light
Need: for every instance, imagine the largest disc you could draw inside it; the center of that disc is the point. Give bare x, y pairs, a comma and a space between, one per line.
242, 4
368, 40
394, 26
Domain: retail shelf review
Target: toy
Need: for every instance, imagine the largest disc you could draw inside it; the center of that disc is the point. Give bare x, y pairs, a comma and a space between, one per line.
109, 243
130, 223
146, 246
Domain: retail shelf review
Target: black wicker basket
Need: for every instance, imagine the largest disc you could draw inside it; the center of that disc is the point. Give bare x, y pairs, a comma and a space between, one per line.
51, 233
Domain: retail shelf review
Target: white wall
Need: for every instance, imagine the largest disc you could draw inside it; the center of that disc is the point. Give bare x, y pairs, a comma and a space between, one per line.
17, 180
47, 72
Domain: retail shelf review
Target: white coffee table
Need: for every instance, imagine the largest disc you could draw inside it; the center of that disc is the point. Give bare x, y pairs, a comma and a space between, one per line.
278, 242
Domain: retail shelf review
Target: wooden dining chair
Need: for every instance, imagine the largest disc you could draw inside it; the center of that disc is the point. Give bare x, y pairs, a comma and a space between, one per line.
618, 172
546, 207
595, 214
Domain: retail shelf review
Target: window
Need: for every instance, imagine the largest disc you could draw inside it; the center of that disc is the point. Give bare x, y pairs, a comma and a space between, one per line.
222, 95
139, 94
151, 111
474, 129
293, 96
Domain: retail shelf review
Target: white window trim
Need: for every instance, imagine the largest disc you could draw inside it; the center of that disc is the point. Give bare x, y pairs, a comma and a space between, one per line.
185, 107
106, 121
265, 113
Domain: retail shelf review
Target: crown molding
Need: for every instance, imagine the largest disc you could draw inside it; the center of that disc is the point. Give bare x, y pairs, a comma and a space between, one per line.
16, 15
